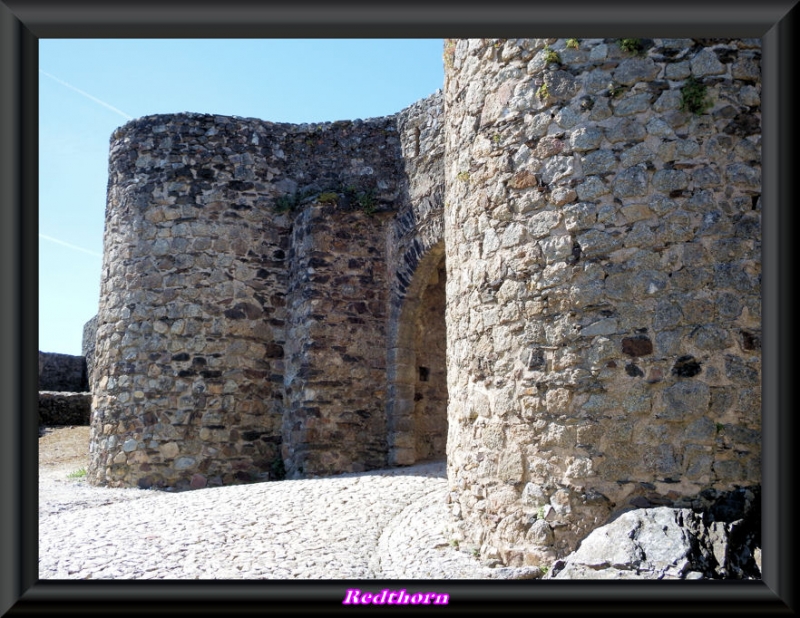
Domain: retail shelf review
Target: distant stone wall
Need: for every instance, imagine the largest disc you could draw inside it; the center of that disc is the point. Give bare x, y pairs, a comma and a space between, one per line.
62, 372
603, 269
63, 408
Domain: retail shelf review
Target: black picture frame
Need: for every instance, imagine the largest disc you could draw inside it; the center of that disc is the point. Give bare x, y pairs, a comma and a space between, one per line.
23, 23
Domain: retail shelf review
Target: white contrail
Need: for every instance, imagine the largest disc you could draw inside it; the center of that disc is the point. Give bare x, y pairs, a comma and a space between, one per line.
87, 95
66, 244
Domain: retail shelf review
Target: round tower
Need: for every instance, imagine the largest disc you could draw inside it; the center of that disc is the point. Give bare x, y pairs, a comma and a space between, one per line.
602, 232
189, 333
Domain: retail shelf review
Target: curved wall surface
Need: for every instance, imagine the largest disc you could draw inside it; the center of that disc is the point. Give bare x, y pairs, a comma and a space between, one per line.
190, 326
602, 226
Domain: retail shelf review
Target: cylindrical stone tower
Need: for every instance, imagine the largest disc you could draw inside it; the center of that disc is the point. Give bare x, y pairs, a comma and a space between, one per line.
190, 326
602, 232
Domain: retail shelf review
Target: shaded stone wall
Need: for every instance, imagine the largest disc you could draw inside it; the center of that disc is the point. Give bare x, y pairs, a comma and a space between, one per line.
414, 249
603, 282
64, 408
336, 343
62, 372
88, 342
430, 387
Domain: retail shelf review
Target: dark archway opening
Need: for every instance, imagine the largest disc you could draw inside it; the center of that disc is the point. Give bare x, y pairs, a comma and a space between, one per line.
430, 388
417, 403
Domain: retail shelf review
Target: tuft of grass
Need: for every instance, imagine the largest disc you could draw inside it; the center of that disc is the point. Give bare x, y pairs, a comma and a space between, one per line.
463, 176
632, 46
542, 92
694, 97
614, 90
367, 202
285, 203
364, 199
289, 202
551, 56
328, 197
77, 474
572, 44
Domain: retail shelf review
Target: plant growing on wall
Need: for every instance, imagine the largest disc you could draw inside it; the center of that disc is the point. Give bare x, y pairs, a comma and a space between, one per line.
551, 56
615, 90
366, 201
693, 97
277, 469
632, 46
542, 92
328, 197
289, 202
286, 203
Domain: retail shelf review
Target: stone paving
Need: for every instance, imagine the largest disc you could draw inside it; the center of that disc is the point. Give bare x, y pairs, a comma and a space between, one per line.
386, 524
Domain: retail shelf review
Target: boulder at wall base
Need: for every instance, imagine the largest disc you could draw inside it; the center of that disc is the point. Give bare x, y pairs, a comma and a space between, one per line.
666, 543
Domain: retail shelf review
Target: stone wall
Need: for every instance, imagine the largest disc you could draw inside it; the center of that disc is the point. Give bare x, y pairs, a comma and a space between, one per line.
603, 269
191, 305
62, 372
63, 408
243, 318
64, 397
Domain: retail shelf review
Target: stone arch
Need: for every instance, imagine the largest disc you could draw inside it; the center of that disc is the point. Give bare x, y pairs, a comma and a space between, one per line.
417, 373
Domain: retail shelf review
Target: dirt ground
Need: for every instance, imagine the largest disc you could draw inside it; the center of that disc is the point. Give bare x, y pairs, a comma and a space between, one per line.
63, 450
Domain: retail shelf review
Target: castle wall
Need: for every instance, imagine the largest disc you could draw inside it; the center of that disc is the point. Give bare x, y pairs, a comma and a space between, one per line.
88, 342
335, 420
603, 283
190, 325
243, 319
557, 249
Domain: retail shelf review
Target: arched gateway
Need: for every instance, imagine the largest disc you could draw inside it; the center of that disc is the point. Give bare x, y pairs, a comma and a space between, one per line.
562, 251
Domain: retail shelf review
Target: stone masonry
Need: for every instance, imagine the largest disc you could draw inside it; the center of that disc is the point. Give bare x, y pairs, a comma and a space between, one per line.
62, 373
603, 301
248, 310
549, 273
64, 397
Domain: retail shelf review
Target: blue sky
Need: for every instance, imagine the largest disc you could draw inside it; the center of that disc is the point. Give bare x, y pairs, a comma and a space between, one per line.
89, 87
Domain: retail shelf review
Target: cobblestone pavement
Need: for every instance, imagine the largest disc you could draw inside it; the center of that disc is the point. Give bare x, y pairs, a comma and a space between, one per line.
386, 524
